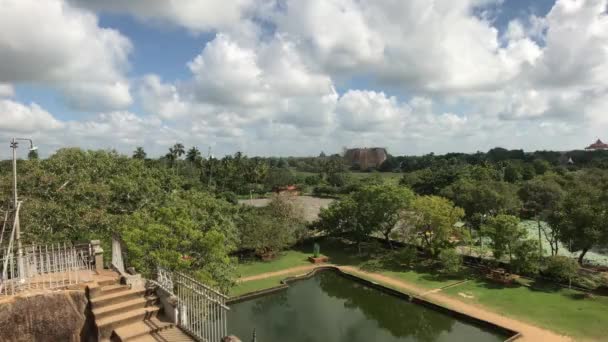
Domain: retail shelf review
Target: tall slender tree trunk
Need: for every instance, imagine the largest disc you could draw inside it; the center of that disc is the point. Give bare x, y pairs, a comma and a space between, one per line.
582, 256
540, 241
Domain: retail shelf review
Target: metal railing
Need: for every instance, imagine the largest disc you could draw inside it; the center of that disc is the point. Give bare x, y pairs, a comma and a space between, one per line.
45, 267
201, 310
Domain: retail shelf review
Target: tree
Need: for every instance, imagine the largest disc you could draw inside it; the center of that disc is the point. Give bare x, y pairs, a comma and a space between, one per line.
527, 258
139, 153
32, 155
483, 197
191, 231
505, 232
175, 152
273, 228
560, 268
451, 261
435, 221
383, 206
193, 155
582, 219
512, 172
541, 198
372, 208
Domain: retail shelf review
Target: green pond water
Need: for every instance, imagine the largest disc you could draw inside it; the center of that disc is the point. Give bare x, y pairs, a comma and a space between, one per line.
331, 308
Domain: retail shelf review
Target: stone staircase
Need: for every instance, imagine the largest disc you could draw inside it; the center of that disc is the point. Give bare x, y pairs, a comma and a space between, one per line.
122, 313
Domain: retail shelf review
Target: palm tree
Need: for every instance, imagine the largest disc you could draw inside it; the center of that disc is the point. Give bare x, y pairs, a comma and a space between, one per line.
139, 153
175, 153
193, 155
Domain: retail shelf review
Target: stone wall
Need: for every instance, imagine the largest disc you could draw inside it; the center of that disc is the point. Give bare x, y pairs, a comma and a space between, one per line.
50, 316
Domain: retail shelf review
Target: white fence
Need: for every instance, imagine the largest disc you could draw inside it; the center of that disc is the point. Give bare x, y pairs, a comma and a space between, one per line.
44, 267
201, 310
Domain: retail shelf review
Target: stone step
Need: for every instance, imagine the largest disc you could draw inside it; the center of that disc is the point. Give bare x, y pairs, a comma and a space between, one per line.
139, 329
108, 324
135, 303
104, 290
173, 334
116, 297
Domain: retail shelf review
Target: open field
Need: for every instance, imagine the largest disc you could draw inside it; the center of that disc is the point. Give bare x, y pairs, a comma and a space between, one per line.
561, 310
310, 205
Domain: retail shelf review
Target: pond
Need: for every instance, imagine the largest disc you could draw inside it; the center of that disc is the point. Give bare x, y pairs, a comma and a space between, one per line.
330, 307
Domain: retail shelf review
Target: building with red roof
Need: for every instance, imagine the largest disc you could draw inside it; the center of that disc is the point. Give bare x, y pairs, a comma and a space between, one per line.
598, 145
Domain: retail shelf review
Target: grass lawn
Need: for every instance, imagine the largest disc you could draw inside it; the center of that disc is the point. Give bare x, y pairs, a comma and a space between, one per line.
287, 259
256, 285
561, 310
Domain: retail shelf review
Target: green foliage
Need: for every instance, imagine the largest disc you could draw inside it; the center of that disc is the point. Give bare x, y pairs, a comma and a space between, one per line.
435, 221
483, 197
406, 256
527, 257
273, 228
504, 232
229, 197
373, 208
560, 268
451, 261
139, 153
190, 231
582, 218
316, 250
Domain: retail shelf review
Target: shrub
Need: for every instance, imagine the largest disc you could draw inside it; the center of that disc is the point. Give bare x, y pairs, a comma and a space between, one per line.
228, 196
406, 256
560, 268
451, 261
527, 259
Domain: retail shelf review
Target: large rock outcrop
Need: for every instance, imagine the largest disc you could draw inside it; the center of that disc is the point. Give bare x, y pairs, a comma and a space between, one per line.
50, 316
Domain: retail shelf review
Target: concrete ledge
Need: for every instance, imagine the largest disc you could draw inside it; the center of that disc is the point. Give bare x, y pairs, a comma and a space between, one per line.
512, 335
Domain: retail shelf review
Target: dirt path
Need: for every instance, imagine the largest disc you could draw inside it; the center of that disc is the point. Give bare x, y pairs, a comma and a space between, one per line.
530, 333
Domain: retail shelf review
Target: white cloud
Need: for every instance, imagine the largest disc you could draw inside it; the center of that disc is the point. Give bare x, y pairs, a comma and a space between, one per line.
6, 90
19, 118
195, 15
51, 43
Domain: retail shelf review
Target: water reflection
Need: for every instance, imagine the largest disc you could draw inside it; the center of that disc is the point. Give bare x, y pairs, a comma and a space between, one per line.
329, 307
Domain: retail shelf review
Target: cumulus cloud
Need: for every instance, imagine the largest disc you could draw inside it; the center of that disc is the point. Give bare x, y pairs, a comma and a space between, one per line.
51, 43
299, 76
19, 118
195, 15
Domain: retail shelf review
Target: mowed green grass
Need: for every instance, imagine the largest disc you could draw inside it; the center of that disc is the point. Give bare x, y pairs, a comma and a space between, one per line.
561, 310
287, 259
256, 285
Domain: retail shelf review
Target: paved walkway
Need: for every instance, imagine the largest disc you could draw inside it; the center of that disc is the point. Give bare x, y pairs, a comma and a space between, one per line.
530, 333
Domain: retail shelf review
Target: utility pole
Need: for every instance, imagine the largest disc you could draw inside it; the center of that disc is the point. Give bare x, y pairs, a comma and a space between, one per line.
20, 265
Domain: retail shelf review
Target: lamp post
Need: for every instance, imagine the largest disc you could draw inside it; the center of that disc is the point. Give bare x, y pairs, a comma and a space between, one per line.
14, 146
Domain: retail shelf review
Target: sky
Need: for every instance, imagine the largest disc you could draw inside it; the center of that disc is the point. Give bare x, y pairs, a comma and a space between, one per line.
291, 77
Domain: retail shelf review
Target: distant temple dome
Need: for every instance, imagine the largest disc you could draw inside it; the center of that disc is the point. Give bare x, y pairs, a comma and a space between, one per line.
598, 145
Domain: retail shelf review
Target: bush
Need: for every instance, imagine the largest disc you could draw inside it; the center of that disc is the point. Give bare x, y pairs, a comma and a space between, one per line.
312, 180
560, 268
451, 261
406, 256
228, 196
527, 259
324, 190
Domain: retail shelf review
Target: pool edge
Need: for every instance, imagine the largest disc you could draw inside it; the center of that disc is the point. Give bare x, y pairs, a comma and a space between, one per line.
284, 284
